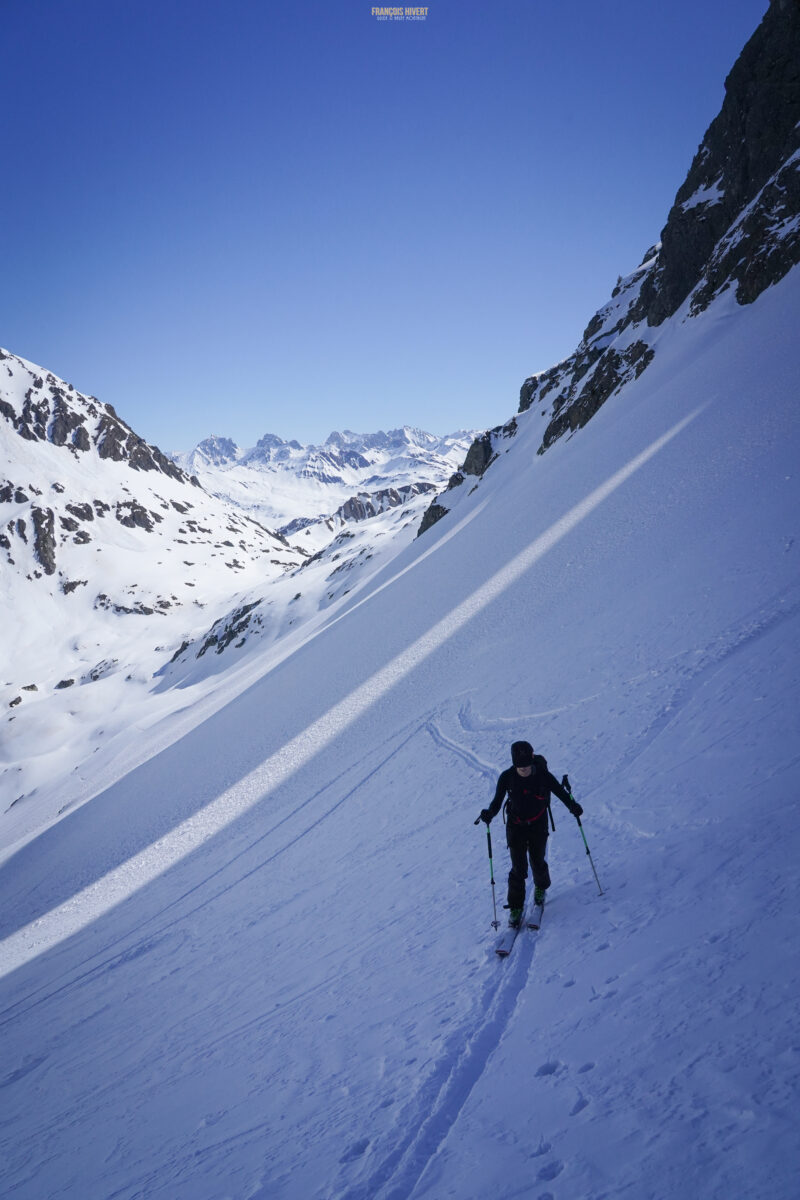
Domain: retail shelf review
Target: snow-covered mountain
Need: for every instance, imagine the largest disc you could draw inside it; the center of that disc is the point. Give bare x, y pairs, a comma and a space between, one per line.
110, 555
121, 566
287, 484
253, 958
118, 563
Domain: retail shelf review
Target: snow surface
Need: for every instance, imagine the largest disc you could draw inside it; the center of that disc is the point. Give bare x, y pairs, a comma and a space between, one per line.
259, 964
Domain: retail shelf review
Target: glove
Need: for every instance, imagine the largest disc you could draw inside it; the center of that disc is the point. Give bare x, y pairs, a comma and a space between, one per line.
485, 816
576, 809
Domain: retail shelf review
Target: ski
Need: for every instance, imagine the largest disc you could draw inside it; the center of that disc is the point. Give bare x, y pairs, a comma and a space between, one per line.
535, 918
507, 939
531, 919
509, 935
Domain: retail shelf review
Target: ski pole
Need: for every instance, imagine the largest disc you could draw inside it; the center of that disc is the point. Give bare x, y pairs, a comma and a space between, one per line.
495, 922
565, 784
586, 844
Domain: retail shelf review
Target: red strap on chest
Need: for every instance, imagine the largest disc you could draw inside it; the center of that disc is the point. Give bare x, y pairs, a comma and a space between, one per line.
530, 820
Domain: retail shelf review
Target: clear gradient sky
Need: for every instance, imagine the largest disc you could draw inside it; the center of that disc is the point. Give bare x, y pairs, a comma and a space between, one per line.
251, 216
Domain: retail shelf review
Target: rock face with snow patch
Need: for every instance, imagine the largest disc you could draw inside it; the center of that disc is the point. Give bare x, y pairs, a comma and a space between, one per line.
360, 507
41, 407
735, 223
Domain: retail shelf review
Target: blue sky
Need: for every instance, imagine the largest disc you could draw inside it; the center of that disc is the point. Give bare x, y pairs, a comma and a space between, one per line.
241, 217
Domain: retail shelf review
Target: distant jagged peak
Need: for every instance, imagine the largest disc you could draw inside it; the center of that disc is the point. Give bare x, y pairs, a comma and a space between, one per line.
218, 450
270, 441
406, 436
343, 447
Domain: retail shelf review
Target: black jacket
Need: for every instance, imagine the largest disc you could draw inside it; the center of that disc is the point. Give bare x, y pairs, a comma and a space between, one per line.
529, 797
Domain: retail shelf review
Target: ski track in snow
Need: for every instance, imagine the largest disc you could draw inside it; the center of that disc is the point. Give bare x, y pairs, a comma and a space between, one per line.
108, 957
471, 723
701, 665
436, 1107
424, 1123
487, 770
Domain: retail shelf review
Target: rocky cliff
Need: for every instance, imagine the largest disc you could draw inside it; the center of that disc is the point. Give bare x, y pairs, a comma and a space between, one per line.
734, 224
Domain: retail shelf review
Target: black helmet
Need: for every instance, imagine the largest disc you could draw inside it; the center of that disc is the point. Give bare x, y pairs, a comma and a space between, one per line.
522, 754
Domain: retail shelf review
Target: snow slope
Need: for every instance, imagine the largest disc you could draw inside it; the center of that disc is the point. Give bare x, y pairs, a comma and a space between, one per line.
260, 965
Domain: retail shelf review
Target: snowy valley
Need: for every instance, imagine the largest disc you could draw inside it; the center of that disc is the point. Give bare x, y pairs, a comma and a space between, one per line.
129, 569
246, 947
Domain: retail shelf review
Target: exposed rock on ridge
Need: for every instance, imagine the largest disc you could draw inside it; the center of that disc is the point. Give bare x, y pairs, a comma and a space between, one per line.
724, 225
735, 223
52, 411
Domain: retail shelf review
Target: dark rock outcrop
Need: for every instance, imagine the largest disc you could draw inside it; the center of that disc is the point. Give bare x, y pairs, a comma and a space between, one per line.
481, 454
223, 632
609, 356
133, 515
44, 541
735, 222
614, 369
746, 149
84, 512
54, 412
368, 504
433, 513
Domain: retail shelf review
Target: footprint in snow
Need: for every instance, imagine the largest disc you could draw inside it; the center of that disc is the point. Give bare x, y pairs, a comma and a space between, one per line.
580, 1104
548, 1068
551, 1171
355, 1151
542, 1148
586, 1067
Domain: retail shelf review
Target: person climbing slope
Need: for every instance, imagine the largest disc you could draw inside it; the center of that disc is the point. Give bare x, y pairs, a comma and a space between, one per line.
528, 785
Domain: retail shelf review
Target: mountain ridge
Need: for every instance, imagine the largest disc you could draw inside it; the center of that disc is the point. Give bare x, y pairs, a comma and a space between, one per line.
734, 224
286, 483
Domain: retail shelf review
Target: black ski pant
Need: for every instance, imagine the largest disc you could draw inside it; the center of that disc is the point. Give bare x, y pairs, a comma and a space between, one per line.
524, 842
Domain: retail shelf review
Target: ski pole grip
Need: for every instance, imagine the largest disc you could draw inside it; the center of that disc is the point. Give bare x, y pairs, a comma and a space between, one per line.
477, 821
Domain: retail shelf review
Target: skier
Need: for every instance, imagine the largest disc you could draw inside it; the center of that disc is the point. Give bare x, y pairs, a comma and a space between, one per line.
528, 785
